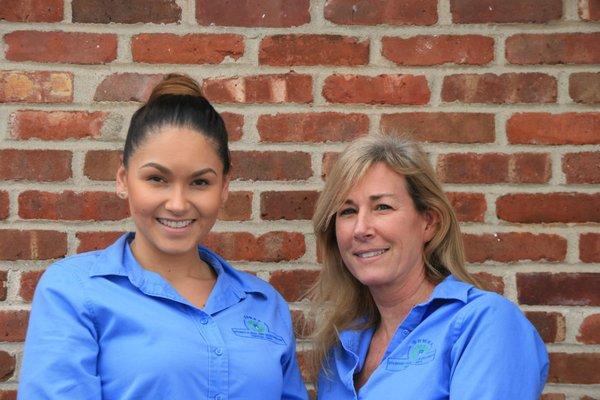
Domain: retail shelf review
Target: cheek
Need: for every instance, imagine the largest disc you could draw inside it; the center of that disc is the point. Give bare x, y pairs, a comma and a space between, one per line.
343, 234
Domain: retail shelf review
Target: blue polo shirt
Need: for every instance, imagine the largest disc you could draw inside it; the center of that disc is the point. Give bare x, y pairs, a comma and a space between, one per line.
103, 328
463, 343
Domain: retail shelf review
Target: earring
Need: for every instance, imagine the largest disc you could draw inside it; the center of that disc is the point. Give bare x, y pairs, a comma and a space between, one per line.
122, 195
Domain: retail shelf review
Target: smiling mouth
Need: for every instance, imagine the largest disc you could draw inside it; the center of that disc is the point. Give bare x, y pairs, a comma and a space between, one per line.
371, 253
176, 224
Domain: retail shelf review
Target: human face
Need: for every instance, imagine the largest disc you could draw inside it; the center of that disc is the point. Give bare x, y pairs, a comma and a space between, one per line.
176, 186
380, 234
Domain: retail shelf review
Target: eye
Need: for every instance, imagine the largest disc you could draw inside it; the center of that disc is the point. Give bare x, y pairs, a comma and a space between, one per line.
382, 207
156, 179
200, 182
346, 211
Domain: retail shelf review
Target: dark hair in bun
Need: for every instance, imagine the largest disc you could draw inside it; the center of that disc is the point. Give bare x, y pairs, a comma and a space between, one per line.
177, 101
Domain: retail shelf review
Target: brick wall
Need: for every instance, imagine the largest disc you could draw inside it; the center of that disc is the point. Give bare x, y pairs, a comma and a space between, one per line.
503, 93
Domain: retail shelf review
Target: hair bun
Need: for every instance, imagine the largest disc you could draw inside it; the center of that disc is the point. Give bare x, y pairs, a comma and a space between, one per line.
176, 84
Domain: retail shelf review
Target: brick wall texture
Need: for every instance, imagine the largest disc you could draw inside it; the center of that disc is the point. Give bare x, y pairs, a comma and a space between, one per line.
503, 94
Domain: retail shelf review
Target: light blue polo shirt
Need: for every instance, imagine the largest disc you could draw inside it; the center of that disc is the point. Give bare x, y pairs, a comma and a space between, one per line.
463, 343
102, 327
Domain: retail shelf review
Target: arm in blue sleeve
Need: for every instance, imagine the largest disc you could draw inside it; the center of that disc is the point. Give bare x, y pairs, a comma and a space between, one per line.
498, 354
61, 349
293, 385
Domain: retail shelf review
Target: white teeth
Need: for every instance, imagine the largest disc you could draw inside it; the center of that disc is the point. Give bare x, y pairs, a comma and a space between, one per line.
175, 224
371, 253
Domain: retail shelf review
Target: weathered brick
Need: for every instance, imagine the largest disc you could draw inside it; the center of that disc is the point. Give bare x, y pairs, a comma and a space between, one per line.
36, 87
35, 165
3, 285
4, 204
57, 125
388, 12
503, 11
269, 247
589, 331
293, 284
126, 12
559, 289
284, 88
490, 282
32, 244
312, 127
494, 168
7, 366
558, 48
90, 241
29, 281
288, 205
439, 49
238, 207
253, 13
550, 325
102, 165
576, 368
61, 47
127, 86
313, 50
589, 247
553, 396
328, 161
549, 207
72, 206
546, 128
234, 123
8, 395
13, 325
469, 207
270, 165
589, 10
441, 127
507, 88
193, 48
584, 87
31, 11
582, 167
514, 246
381, 89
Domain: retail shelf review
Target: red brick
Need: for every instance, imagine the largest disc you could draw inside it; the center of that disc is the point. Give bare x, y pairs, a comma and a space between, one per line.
61, 47
578, 368
102, 165
127, 86
503, 11
293, 284
8, 395
439, 49
589, 247
558, 48
589, 10
270, 165
238, 207
582, 167
382, 89
288, 205
301, 49
550, 325
494, 168
507, 88
584, 87
13, 325
441, 127
35, 165
234, 123
36, 87
269, 247
4, 204
57, 125
3, 285
312, 127
253, 13
32, 245
7, 366
546, 128
559, 289
126, 12
553, 396
549, 207
388, 12
29, 281
589, 331
284, 88
90, 241
514, 246
328, 161
490, 282
71, 206
31, 11
469, 207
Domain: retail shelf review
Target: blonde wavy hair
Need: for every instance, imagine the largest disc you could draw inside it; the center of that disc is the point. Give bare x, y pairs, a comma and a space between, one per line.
338, 299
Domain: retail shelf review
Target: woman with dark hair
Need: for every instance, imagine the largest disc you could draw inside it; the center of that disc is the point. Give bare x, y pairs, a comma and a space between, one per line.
397, 314
154, 316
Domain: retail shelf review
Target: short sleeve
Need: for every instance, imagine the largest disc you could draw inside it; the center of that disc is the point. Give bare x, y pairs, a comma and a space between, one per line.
61, 350
497, 355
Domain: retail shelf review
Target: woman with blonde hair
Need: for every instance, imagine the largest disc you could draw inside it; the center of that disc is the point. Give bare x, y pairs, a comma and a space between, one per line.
397, 314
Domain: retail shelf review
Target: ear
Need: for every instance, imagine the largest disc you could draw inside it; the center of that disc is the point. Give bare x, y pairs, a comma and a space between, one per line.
225, 190
121, 179
432, 221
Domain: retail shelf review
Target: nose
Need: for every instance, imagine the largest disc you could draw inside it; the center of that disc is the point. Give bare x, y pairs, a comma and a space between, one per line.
177, 202
363, 226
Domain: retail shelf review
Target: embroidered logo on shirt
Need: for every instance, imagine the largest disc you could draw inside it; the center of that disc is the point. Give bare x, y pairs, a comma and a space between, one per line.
420, 351
257, 329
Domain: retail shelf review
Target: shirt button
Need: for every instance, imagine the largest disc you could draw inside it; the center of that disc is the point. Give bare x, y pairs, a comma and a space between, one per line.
405, 332
219, 397
218, 351
204, 321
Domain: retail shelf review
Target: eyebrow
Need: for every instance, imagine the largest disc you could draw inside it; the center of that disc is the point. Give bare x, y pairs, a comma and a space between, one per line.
165, 170
373, 197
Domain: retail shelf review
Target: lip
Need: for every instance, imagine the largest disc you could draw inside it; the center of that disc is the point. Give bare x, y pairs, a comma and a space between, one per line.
376, 253
176, 225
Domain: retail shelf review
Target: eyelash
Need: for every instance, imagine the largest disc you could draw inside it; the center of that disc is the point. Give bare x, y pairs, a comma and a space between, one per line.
378, 207
160, 179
